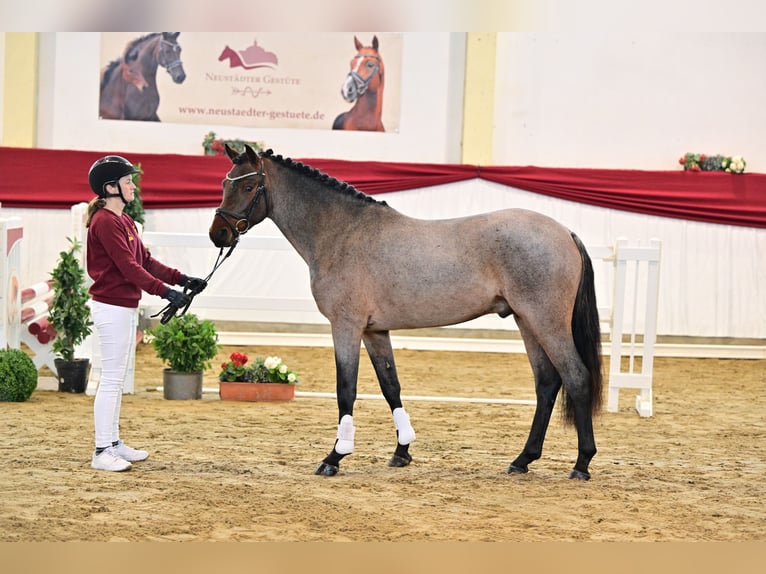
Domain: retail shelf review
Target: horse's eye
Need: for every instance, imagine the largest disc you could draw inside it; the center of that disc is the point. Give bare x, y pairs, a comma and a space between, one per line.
370, 64
248, 188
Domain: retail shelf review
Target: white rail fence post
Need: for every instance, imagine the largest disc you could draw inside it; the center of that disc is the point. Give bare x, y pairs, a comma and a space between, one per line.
642, 265
11, 235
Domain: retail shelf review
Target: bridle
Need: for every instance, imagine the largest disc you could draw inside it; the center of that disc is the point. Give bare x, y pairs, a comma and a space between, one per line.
239, 227
161, 56
361, 83
241, 223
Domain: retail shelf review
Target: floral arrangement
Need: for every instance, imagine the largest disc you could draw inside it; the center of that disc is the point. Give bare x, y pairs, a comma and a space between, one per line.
215, 146
702, 162
268, 370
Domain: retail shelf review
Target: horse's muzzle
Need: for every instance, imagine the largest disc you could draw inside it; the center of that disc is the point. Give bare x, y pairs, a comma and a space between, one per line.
221, 237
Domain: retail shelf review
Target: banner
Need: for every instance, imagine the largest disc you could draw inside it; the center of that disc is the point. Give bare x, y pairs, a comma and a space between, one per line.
339, 80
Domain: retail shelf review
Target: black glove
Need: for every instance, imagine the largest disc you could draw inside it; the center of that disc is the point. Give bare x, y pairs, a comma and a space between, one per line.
176, 298
193, 284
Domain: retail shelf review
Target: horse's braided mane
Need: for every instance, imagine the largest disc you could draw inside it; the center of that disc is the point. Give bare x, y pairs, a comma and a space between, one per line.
331, 182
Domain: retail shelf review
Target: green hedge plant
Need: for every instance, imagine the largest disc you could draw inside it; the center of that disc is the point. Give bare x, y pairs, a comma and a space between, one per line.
18, 375
187, 344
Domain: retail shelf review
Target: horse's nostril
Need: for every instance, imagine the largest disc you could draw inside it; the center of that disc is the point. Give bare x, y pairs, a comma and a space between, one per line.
218, 236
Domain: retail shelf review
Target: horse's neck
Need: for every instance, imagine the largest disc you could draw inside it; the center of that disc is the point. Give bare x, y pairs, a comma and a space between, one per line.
309, 214
150, 63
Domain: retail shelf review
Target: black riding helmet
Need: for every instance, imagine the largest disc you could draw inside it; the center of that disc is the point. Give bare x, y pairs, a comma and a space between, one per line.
109, 169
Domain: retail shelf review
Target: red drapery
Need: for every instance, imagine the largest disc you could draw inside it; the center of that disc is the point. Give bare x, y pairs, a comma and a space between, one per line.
42, 178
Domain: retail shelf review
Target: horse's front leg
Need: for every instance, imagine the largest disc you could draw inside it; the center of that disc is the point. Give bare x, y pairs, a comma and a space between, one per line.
346, 345
378, 345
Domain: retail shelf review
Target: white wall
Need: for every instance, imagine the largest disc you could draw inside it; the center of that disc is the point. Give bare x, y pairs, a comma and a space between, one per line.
432, 100
629, 100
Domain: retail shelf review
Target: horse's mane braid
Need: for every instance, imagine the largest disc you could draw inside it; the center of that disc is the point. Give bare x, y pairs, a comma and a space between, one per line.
341, 186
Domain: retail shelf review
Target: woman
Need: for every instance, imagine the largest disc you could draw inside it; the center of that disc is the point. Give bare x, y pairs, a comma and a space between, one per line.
121, 268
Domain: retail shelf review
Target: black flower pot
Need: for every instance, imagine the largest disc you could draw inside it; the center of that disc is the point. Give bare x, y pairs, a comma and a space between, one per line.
72, 375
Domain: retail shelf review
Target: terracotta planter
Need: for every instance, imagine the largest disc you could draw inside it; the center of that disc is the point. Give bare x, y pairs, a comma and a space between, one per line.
232, 391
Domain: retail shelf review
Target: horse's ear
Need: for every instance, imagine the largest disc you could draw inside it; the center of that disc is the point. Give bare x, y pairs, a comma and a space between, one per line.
251, 155
230, 152
358, 44
375, 43
170, 35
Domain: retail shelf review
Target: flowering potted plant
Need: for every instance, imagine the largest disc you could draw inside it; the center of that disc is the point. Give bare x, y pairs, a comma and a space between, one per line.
216, 146
266, 379
702, 162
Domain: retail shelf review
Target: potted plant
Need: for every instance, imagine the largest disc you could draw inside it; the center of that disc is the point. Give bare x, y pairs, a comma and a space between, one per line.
217, 146
266, 379
18, 375
70, 316
187, 344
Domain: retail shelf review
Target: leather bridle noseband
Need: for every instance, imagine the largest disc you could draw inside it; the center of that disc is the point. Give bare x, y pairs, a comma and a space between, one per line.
161, 56
241, 223
361, 84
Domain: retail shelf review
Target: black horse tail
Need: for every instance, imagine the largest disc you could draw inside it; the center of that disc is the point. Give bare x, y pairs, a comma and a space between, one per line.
586, 331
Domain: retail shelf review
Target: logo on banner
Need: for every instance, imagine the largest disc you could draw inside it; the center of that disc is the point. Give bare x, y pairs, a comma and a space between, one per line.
250, 58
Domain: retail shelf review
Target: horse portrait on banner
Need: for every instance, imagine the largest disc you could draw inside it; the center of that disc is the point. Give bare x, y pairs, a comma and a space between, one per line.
129, 84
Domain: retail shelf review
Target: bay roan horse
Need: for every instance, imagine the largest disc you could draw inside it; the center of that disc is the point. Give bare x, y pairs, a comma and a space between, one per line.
374, 270
129, 84
364, 86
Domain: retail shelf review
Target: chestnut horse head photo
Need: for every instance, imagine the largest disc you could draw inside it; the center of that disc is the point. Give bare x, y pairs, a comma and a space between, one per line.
363, 87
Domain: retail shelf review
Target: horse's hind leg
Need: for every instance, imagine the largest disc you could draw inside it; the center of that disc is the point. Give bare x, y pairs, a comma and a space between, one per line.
547, 385
378, 345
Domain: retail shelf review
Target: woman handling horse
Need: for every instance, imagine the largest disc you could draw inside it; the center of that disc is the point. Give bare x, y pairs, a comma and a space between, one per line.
374, 270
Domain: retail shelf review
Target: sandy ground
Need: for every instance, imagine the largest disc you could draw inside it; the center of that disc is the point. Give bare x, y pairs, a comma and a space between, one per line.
234, 471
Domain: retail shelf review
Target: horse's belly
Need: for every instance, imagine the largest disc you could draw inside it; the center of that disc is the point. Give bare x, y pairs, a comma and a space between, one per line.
435, 312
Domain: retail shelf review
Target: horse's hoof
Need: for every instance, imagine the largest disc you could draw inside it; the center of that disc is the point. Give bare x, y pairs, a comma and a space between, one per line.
579, 475
517, 469
399, 461
325, 469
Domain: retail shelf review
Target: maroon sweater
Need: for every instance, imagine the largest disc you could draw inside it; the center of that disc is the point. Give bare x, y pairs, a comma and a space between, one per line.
119, 264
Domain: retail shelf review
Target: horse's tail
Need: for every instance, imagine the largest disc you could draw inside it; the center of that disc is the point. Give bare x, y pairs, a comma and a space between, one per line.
586, 332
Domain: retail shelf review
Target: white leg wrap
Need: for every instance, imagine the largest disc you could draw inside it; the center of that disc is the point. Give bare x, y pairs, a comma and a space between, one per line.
346, 430
402, 424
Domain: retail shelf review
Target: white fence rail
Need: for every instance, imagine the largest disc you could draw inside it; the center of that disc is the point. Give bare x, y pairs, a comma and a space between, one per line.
629, 317
632, 314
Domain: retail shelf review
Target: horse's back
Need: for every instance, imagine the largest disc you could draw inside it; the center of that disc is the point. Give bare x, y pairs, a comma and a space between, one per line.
411, 272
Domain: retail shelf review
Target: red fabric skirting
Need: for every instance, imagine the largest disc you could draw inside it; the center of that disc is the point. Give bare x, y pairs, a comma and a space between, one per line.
42, 178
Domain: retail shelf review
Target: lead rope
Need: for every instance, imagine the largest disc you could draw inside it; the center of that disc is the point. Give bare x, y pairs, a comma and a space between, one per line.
170, 310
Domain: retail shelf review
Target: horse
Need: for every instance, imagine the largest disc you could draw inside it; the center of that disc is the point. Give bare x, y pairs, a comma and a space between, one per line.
374, 270
129, 84
363, 85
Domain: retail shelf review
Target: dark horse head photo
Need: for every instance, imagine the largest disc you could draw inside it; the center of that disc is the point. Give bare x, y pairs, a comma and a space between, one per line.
129, 83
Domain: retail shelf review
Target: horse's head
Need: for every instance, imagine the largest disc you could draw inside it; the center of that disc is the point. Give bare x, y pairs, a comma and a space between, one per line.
244, 203
366, 72
169, 56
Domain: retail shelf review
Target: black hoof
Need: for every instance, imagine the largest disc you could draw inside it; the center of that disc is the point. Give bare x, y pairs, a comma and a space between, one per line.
400, 461
325, 469
579, 475
517, 469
